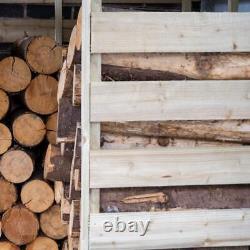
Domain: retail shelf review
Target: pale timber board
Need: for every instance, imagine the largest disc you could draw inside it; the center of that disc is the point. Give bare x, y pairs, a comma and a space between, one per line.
174, 229
169, 167
11, 29
170, 32
170, 100
104, 1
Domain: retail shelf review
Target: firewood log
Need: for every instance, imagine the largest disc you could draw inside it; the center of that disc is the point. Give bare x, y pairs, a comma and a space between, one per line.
15, 74
76, 97
8, 195
42, 243
74, 55
40, 96
28, 129
51, 127
6, 245
5, 138
74, 221
57, 165
58, 191
78, 42
51, 224
41, 53
4, 104
73, 243
16, 166
37, 196
20, 225
203, 66
225, 131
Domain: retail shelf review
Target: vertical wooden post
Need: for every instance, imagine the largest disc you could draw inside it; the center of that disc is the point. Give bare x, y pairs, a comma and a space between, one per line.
58, 21
85, 123
186, 5
233, 5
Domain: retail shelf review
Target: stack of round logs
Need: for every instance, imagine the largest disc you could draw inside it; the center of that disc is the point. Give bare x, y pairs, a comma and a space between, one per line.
29, 218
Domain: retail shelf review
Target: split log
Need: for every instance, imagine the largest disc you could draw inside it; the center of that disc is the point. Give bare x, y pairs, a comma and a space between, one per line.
78, 42
76, 97
51, 223
37, 196
151, 197
6, 245
8, 195
224, 131
57, 164
16, 166
73, 243
5, 138
15, 74
58, 191
42, 243
65, 83
4, 104
20, 225
65, 210
40, 96
74, 221
74, 55
203, 66
51, 127
28, 129
41, 53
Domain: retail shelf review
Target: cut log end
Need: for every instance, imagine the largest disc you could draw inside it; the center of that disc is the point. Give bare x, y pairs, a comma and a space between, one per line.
5, 138
40, 96
51, 127
15, 74
37, 196
29, 129
44, 55
20, 225
42, 243
51, 223
4, 104
8, 195
16, 166
5, 245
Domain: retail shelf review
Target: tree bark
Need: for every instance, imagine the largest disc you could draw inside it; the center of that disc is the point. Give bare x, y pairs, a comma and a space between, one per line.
20, 225
42, 243
40, 96
37, 196
15, 74
16, 166
28, 129
5, 138
41, 53
8, 195
4, 104
51, 223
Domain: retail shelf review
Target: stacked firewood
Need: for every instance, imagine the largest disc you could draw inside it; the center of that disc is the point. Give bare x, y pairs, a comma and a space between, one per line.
30, 217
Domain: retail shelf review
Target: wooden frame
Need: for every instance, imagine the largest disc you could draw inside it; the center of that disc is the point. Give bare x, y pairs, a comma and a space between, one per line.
134, 168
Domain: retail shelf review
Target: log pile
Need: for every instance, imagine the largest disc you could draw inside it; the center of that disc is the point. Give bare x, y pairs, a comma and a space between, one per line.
30, 217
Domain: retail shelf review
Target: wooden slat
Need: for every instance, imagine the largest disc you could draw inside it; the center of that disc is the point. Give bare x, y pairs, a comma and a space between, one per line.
58, 21
12, 29
170, 32
170, 167
175, 229
170, 100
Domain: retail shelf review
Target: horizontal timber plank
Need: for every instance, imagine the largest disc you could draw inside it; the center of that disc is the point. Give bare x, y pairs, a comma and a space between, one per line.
173, 229
11, 29
169, 167
170, 32
170, 100
104, 1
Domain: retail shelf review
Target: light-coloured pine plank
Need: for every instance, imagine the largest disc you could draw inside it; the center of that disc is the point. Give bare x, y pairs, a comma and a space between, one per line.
169, 167
174, 229
58, 21
170, 100
170, 32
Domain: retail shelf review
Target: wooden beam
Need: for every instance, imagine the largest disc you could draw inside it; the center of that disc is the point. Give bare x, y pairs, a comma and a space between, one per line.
170, 100
186, 5
11, 29
233, 5
58, 21
174, 229
170, 167
170, 32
